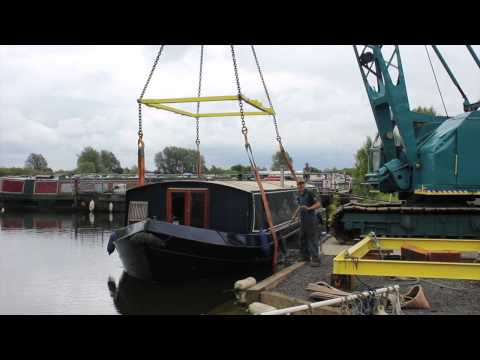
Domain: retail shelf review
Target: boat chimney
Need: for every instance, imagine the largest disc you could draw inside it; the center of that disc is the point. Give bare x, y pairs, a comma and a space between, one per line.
282, 177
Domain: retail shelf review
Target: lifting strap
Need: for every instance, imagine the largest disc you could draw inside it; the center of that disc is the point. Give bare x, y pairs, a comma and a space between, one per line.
278, 138
141, 161
141, 144
253, 165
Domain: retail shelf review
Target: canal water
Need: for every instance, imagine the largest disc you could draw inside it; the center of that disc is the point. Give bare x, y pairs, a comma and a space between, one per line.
58, 264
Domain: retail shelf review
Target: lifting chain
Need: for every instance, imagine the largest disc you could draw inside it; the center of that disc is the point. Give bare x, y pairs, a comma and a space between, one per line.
240, 101
279, 139
248, 148
197, 140
140, 130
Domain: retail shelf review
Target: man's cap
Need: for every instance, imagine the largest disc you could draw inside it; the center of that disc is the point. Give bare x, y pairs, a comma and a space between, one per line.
301, 182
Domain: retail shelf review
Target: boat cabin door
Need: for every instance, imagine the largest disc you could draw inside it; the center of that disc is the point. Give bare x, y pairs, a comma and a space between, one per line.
188, 206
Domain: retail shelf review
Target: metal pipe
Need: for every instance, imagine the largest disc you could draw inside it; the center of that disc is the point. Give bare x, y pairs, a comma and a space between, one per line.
339, 300
452, 77
475, 57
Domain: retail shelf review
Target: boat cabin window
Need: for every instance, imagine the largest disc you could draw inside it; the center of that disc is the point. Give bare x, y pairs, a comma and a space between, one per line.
282, 206
188, 206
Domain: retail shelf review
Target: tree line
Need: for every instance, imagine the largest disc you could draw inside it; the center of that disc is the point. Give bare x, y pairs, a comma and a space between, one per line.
171, 160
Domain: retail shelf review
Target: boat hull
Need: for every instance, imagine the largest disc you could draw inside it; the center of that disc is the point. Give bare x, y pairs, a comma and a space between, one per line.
155, 250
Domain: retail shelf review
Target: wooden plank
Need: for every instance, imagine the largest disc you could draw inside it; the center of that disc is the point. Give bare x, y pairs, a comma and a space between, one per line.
281, 301
253, 294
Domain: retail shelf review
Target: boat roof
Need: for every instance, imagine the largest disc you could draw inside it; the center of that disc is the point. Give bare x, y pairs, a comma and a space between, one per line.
249, 185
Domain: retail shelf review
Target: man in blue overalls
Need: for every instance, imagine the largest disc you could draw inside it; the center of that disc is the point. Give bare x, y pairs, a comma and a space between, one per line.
307, 203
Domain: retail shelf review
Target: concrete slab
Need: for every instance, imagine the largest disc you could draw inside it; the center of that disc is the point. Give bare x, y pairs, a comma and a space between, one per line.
331, 247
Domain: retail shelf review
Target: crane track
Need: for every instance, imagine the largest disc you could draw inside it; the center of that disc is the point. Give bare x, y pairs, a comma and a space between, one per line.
344, 236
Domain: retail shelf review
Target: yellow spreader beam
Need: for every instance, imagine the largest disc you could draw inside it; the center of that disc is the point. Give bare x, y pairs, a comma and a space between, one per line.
350, 262
160, 104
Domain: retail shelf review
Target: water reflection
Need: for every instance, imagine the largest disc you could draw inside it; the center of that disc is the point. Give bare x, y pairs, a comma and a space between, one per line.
81, 226
59, 221
56, 263
188, 297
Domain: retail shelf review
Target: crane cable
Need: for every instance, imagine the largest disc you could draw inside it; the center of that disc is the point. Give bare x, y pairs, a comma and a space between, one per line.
436, 81
278, 138
253, 165
197, 141
141, 145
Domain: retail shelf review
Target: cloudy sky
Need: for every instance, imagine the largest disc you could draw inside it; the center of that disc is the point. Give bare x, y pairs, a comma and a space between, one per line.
55, 100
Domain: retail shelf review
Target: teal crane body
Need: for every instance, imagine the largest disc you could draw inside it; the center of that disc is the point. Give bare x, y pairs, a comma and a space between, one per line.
418, 151
432, 162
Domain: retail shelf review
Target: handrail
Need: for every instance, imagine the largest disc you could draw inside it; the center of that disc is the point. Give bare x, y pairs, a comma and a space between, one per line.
293, 309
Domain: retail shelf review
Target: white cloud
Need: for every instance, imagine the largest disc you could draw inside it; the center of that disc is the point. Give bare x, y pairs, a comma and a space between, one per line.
57, 99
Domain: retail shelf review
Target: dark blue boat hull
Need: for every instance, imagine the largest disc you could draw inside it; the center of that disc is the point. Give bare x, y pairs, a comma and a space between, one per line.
155, 250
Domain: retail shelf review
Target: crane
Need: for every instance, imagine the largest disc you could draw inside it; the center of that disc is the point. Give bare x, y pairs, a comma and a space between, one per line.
429, 160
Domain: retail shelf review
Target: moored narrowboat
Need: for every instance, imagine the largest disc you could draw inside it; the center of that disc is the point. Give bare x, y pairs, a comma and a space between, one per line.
202, 227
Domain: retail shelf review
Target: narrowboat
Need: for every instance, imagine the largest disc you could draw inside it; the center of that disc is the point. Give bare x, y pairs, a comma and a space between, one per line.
203, 227
64, 194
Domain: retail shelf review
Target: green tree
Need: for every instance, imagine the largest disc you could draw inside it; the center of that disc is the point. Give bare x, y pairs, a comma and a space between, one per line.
240, 169
89, 159
425, 110
348, 171
361, 167
15, 171
36, 162
133, 170
278, 161
110, 162
177, 160
214, 170
86, 167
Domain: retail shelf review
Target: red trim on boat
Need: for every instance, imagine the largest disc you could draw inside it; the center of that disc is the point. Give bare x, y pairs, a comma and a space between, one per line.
13, 186
46, 187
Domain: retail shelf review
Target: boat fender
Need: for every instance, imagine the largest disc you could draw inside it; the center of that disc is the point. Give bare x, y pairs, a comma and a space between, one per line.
111, 245
244, 284
91, 205
258, 308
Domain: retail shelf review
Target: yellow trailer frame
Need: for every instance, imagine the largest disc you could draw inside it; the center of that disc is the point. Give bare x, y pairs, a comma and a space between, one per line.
160, 104
350, 262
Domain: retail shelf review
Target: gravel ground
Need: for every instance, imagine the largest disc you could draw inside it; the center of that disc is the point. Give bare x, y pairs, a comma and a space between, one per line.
465, 300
